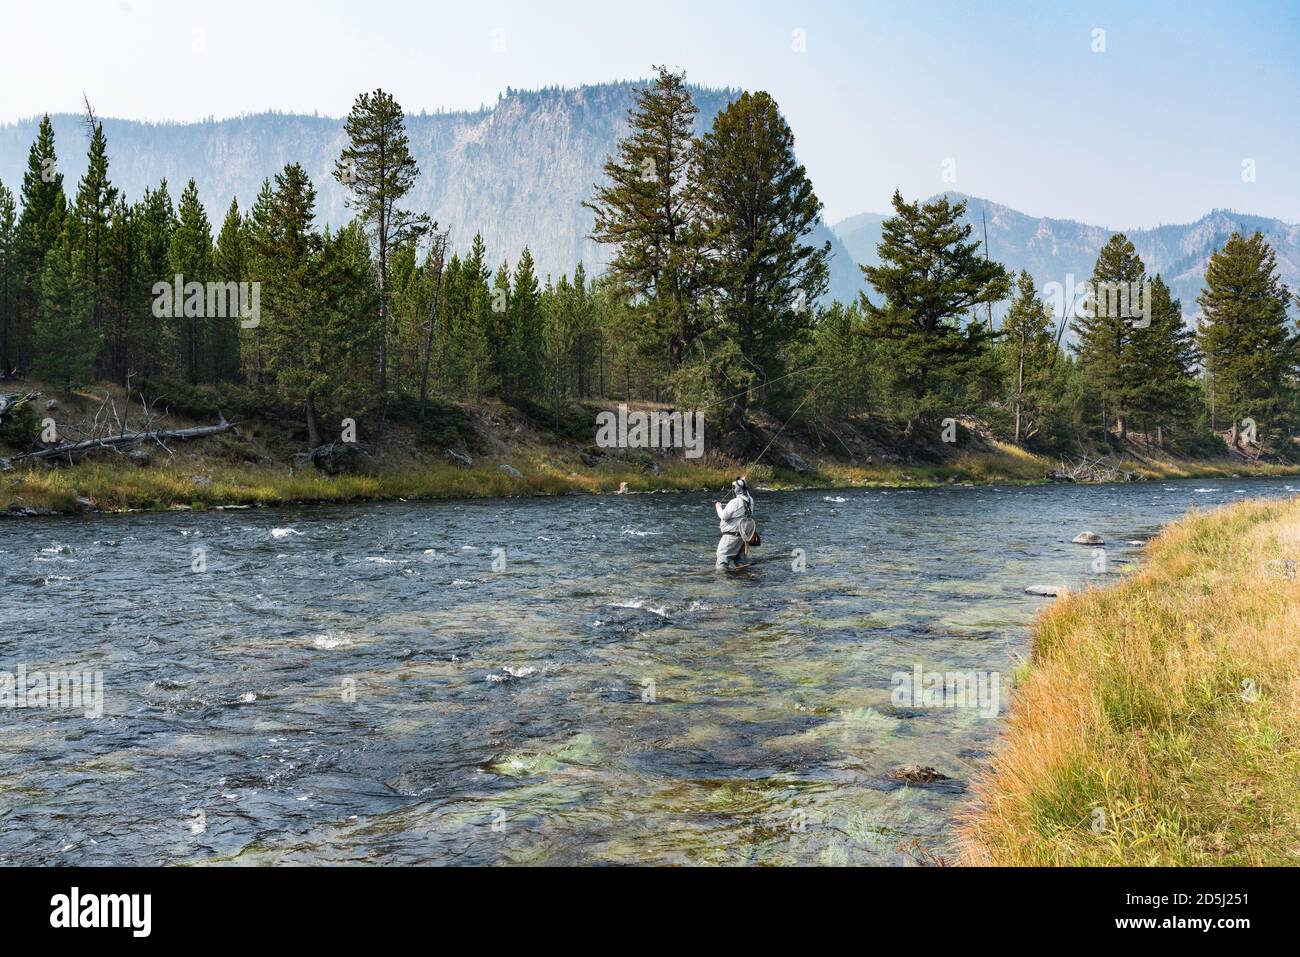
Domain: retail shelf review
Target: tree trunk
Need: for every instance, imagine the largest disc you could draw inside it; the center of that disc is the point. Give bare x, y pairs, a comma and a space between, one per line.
313, 427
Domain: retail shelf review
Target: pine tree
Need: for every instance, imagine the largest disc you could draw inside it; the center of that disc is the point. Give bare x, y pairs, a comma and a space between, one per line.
1105, 333
649, 212
837, 360
1028, 350
190, 256
525, 346
229, 265
9, 278
151, 342
92, 215
125, 289
474, 343
284, 251
1163, 356
931, 278
259, 247
502, 339
40, 227
585, 331
758, 207
65, 343
338, 372
378, 169
1249, 345
558, 337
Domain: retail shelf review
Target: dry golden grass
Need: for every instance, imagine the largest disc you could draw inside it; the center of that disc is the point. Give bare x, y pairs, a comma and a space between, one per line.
1159, 721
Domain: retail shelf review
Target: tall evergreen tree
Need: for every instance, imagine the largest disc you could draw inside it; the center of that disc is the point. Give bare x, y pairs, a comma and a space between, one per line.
125, 289
40, 227
229, 265
1027, 354
92, 215
474, 330
9, 278
1249, 344
190, 256
65, 343
649, 212
378, 169
1163, 356
931, 277
1105, 333
152, 344
285, 249
759, 206
526, 327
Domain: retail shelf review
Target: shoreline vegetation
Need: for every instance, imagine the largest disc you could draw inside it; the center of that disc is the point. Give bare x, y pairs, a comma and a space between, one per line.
192, 481
1157, 723
115, 487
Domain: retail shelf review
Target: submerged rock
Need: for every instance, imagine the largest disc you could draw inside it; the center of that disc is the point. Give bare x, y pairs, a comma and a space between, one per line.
916, 774
1088, 538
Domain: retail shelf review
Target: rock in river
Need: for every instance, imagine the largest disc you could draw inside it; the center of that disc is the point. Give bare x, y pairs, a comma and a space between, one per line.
1089, 538
1046, 591
916, 774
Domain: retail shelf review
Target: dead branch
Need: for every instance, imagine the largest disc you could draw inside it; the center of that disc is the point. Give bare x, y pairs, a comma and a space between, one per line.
114, 443
12, 401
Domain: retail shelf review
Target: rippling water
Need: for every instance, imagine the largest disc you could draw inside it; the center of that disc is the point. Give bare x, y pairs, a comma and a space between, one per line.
561, 680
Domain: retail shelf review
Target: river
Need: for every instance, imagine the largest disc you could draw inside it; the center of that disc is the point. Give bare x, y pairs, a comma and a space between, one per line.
535, 681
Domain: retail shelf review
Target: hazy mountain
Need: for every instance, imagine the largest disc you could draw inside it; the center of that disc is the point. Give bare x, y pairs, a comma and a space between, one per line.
518, 171
1052, 249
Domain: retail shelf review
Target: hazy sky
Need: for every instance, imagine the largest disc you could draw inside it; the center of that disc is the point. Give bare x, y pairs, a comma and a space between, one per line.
1154, 128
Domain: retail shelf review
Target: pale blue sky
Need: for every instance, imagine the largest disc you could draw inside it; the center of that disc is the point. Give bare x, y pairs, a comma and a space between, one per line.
1154, 129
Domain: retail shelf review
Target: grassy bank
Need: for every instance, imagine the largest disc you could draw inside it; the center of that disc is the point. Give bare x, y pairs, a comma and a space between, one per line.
1159, 722
113, 484
545, 453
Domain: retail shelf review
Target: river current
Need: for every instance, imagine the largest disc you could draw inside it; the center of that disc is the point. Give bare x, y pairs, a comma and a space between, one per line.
533, 681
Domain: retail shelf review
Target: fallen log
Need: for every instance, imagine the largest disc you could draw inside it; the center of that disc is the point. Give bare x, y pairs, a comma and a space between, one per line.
75, 450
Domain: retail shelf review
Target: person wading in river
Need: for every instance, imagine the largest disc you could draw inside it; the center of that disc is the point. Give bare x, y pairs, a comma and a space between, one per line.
736, 523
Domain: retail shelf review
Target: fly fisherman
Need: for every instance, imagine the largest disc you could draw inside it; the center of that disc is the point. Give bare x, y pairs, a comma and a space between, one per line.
731, 516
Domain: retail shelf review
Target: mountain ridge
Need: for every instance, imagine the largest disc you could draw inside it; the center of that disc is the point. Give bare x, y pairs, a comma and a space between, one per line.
518, 170
1052, 249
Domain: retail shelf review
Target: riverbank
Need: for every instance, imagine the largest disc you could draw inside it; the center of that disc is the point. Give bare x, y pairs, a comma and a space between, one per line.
487, 450
1158, 721
119, 486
